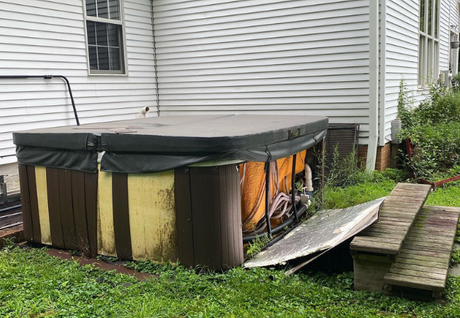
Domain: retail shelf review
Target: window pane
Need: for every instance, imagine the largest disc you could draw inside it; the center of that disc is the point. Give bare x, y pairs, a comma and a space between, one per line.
91, 29
103, 55
422, 15
430, 17
113, 32
115, 59
91, 8
101, 32
92, 58
114, 6
102, 10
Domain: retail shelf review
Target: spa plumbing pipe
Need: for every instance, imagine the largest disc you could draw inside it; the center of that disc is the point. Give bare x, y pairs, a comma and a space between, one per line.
48, 77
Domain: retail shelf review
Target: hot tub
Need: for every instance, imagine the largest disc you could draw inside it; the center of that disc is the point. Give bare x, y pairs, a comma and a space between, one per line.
162, 188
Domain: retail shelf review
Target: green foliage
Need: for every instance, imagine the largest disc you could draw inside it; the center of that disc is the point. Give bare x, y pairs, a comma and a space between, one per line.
405, 103
434, 129
257, 245
148, 266
345, 171
437, 149
34, 284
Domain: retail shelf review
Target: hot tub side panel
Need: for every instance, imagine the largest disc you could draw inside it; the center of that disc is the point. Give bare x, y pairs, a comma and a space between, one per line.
136, 216
209, 217
59, 207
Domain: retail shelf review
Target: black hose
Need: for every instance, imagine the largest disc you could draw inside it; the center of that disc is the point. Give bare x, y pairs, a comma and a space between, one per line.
48, 77
279, 228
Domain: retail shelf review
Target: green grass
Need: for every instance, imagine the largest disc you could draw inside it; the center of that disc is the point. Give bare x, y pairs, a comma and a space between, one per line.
448, 195
34, 284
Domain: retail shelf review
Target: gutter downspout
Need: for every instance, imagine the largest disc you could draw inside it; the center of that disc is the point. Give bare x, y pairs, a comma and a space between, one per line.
383, 73
373, 84
155, 66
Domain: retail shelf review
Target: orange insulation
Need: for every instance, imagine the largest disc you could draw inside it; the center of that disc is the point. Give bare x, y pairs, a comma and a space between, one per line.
253, 186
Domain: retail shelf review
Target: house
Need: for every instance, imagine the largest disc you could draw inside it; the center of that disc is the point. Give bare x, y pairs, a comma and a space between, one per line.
338, 58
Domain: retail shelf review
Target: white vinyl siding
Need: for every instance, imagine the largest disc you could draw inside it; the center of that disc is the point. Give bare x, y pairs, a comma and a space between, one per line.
272, 57
402, 50
41, 37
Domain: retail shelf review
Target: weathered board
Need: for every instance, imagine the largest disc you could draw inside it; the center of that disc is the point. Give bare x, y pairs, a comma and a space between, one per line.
424, 257
384, 239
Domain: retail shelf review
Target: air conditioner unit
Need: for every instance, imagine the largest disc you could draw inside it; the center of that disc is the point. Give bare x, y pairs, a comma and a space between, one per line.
445, 77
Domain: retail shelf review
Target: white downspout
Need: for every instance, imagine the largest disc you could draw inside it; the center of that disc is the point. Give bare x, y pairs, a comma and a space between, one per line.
373, 84
383, 73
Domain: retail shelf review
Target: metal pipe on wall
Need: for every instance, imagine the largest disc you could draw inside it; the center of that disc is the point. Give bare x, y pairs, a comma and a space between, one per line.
373, 84
48, 77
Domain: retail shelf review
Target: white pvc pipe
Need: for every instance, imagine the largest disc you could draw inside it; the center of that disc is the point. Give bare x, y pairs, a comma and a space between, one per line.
143, 112
308, 181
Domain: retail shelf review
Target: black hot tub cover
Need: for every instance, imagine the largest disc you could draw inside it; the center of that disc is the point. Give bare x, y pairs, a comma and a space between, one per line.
160, 143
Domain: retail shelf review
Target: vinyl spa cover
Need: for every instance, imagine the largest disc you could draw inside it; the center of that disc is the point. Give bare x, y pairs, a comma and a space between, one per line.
162, 143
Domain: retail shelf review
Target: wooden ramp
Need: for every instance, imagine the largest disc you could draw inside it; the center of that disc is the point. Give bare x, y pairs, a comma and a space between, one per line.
407, 251
376, 248
423, 261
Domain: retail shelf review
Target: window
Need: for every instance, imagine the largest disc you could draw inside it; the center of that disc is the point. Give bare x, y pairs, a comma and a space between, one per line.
104, 31
428, 58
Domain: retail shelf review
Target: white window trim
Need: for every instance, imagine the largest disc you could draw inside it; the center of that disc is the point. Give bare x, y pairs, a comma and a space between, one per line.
424, 77
121, 22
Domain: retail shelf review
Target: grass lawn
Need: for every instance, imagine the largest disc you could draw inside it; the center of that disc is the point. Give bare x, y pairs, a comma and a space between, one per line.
34, 284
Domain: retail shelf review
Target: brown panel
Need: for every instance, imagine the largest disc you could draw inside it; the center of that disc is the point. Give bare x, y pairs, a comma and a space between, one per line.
34, 204
91, 210
121, 215
238, 254
204, 183
66, 208
52, 182
183, 216
79, 210
230, 212
25, 200
225, 218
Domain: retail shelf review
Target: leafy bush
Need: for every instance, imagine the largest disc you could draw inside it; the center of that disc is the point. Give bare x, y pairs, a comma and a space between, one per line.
434, 129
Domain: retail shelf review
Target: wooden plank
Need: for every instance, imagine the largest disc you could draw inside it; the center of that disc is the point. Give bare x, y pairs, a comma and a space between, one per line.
34, 204
105, 229
383, 236
437, 254
206, 221
408, 272
78, 201
66, 209
184, 219
414, 282
396, 215
152, 216
419, 268
43, 210
418, 232
396, 223
233, 174
439, 260
121, 216
359, 244
378, 239
427, 245
409, 261
25, 200
54, 205
91, 185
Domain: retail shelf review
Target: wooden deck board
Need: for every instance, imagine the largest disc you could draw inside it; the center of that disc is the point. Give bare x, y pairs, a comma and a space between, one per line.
396, 216
425, 254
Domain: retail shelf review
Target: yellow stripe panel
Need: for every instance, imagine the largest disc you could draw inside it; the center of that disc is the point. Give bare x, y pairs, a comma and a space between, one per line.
152, 216
105, 229
43, 211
